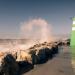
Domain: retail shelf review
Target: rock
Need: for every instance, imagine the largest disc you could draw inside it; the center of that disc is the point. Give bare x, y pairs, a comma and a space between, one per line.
9, 66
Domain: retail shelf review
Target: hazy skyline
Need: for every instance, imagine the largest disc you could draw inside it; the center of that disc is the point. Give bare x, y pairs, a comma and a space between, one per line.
57, 13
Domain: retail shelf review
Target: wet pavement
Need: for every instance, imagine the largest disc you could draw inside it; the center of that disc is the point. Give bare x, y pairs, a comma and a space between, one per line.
59, 65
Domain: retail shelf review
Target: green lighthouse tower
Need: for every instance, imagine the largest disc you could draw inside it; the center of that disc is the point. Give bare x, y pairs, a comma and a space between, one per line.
72, 43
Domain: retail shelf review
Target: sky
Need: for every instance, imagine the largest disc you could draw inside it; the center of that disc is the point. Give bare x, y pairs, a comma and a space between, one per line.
57, 13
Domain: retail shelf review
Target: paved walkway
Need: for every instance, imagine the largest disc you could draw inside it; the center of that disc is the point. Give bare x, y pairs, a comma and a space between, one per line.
59, 65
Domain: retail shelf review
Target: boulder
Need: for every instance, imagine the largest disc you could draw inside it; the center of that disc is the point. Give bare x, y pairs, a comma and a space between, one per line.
9, 66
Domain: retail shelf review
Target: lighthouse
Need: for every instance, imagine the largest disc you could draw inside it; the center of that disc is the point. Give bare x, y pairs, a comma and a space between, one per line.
72, 43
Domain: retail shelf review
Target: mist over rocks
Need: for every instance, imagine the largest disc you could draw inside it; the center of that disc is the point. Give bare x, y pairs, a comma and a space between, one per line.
37, 29
22, 61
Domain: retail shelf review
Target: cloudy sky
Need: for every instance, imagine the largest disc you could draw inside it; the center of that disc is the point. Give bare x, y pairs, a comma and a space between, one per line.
57, 13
